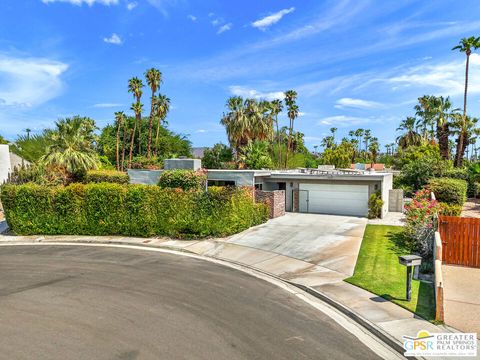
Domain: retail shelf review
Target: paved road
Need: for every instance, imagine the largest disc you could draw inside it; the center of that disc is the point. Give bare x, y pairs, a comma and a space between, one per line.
78, 302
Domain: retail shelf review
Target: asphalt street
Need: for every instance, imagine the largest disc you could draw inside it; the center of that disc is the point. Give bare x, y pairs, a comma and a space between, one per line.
79, 302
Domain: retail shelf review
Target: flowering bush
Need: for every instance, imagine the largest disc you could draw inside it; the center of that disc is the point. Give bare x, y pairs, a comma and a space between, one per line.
421, 215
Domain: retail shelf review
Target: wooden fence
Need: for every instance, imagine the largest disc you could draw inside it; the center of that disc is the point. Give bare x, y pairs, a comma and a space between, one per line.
460, 240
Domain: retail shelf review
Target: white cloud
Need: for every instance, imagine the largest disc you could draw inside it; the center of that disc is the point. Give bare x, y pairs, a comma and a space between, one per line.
114, 39
268, 21
448, 78
201, 131
132, 5
254, 94
163, 5
192, 17
27, 82
343, 120
357, 104
81, 2
224, 28
107, 105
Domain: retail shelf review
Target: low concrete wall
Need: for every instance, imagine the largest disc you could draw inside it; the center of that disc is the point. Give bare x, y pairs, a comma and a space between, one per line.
395, 200
437, 253
5, 165
146, 177
275, 199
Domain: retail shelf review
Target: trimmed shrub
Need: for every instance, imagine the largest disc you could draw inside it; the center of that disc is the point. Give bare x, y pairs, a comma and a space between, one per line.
182, 179
450, 191
450, 209
375, 204
130, 210
109, 176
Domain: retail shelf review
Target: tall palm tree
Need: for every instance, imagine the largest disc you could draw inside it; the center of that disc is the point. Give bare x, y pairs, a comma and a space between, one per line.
409, 137
137, 108
154, 78
328, 142
359, 134
162, 107
387, 147
73, 145
366, 138
466, 45
374, 148
28, 131
119, 118
135, 86
292, 112
276, 108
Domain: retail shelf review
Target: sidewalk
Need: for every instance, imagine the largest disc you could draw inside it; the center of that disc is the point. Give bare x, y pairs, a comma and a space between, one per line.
392, 321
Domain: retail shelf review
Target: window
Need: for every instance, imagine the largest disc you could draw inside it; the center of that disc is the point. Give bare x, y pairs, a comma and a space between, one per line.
221, 183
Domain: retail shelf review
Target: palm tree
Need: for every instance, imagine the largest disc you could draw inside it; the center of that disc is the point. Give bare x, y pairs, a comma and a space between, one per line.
374, 148
333, 130
137, 109
387, 147
154, 78
119, 118
409, 137
466, 129
328, 142
367, 137
162, 107
359, 134
276, 107
28, 131
290, 101
72, 145
135, 86
465, 45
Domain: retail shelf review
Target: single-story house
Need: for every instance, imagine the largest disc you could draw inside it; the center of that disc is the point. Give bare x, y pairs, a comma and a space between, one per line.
336, 192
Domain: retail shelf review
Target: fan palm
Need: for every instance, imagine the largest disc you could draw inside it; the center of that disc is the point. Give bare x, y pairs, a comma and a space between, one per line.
72, 145
135, 86
292, 113
137, 109
154, 78
162, 107
409, 137
276, 107
466, 45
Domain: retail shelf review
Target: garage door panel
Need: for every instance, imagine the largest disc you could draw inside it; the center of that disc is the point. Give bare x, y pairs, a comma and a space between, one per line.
335, 199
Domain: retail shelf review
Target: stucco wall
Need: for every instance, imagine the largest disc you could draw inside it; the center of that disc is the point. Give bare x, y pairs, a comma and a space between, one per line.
146, 177
387, 185
5, 165
241, 178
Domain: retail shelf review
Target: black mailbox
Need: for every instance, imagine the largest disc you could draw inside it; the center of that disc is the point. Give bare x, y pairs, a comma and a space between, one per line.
409, 261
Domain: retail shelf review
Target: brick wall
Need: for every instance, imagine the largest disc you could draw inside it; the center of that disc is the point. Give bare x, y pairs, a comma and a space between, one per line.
275, 199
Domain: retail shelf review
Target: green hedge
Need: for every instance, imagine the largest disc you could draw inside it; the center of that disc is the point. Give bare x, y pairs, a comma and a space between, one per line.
182, 179
110, 176
130, 210
450, 209
450, 191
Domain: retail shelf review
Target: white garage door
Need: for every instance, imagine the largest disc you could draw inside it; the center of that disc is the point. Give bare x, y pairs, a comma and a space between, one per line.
334, 199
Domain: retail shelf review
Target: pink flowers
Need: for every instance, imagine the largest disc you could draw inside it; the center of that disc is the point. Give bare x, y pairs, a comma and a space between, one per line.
421, 212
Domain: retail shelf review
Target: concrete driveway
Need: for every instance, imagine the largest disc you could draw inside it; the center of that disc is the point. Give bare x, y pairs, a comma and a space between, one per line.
329, 241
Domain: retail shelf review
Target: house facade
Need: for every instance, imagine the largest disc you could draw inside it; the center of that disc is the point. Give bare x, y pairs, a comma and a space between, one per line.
322, 191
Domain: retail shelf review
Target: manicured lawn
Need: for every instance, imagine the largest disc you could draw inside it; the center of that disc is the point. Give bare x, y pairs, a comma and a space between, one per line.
378, 271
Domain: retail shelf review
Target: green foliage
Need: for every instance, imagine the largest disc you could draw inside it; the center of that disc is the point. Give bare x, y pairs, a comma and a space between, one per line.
182, 179
170, 144
375, 204
143, 162
451, 191
417, 173
72, 146
41, 175
130, 210
341, 156
109, 176
450, 209
416, 153
256, 155
32, 147
217, 157
3, 141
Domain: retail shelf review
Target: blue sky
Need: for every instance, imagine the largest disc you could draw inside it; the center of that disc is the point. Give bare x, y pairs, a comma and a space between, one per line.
353, 63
